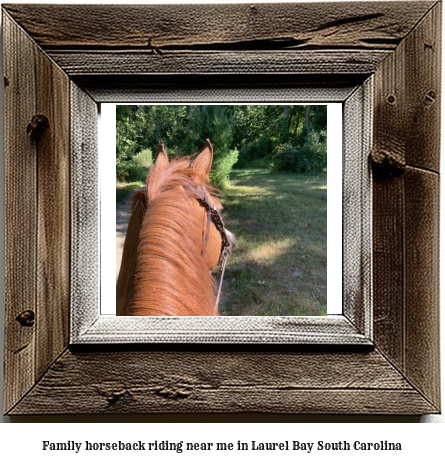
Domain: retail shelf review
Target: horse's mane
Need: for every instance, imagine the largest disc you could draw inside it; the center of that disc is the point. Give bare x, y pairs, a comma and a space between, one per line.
171, 278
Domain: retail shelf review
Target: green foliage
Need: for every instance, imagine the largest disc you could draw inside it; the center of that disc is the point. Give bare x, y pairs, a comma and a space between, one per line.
129, 140
144, 158
292, 137
127, 170
135, 168
216, 123
222, 168
257, 153
285, 158
311, 157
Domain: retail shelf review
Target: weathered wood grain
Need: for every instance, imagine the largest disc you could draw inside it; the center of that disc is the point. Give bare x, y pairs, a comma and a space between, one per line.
399, 42
223, 382
388, 200
122, 63
357, 209
237, 39
423, 91
20, 213
85, 208
422, 325
53, 224
388, 268
406, 208
407, 114
157, 27
37, 216
333, 329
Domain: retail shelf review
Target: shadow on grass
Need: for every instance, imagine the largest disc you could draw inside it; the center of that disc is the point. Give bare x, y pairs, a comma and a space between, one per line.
279, 265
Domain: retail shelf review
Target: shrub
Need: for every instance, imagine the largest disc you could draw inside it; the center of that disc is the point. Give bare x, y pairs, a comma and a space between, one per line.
144, 158
257, 153
311, 157
222, 167
129, 171
285, 158
134, 168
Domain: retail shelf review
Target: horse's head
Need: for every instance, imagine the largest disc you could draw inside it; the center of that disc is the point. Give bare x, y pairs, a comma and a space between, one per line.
216, 240
176, 236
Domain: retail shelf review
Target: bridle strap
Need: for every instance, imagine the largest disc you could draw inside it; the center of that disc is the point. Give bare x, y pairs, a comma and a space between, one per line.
214, 216
209, 219
223, 268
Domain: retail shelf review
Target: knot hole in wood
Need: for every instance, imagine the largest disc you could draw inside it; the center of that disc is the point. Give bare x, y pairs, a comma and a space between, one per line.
386, 163
26, 318
37, 126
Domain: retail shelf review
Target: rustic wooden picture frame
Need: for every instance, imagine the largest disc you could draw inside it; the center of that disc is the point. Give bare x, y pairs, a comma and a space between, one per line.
57, 70
91, 322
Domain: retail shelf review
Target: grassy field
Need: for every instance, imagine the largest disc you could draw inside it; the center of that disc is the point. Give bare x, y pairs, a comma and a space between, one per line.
279, 265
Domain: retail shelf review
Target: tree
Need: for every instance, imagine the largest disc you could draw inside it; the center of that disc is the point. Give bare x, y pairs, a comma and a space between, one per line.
306, 151
261, 133
215, 122
307, 120
181, 128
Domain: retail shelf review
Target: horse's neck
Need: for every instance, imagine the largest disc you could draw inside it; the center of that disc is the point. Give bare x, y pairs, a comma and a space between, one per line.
171, 277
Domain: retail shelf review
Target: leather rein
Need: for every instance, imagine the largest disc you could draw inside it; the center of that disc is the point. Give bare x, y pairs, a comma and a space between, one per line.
213, 215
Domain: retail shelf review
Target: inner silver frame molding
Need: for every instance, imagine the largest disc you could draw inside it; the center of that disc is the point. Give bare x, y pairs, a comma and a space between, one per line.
353, 326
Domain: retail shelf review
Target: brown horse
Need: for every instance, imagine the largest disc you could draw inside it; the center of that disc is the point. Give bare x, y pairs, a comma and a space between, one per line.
175, 237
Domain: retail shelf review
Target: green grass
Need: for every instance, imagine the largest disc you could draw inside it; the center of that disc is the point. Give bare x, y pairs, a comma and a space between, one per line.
141, 164
279, 264
279, 220
124, 189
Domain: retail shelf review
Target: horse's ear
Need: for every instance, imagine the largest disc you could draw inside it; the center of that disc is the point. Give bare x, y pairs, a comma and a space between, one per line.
203, 162
162, 158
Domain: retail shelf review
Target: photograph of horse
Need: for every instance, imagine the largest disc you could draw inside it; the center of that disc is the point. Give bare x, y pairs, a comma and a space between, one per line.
267, 165
175, 237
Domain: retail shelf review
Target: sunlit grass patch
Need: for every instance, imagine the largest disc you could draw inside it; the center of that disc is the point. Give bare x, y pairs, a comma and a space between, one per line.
269, 251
